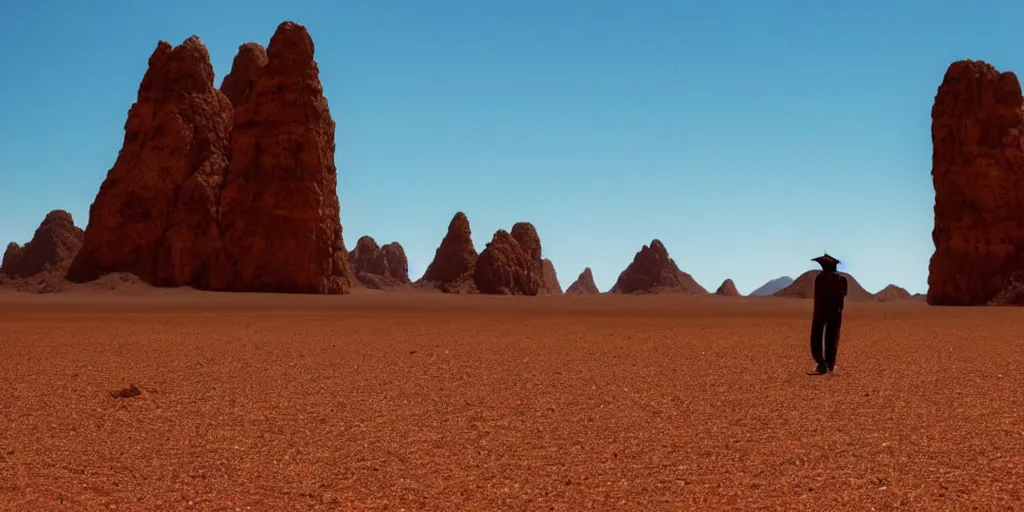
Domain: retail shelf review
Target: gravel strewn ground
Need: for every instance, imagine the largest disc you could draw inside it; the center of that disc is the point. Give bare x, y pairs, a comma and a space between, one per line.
430, 402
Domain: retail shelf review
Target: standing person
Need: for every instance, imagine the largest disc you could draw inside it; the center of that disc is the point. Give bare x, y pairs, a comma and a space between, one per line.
829, 294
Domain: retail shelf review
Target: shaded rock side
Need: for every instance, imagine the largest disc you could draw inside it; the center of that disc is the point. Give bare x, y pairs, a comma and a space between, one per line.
803, 287
978, 175
279, 204
584, 284
451, 270
727, 289
52, 248
893, 293
653, 271
155, 214
505, 268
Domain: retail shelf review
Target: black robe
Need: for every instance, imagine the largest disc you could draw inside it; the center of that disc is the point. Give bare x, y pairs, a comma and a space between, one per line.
829, 292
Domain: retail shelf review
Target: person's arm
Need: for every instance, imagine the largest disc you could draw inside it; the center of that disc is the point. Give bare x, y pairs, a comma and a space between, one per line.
844, 286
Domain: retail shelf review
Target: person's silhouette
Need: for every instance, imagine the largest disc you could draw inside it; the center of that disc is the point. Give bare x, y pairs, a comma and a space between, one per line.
829, 294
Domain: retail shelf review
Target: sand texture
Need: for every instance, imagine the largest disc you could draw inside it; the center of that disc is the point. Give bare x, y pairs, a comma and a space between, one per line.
430, 401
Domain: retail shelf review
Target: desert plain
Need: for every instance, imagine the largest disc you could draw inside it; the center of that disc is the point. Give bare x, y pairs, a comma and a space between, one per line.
429, 401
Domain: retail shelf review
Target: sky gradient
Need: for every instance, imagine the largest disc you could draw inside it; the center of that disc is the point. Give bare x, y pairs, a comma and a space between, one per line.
748, 136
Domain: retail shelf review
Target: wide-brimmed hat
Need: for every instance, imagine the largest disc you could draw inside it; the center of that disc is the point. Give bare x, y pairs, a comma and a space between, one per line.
826, 260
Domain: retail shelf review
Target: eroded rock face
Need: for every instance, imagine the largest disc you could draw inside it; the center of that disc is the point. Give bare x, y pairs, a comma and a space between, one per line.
155, 214
727, 289
549, 277
367, 257
174, 211
245, 71
505, 267
53, 246
653, 271
379, 267
528, 239
512, 264
451, 271
584, 284
978, 174
279, 205
398, 264
12, 260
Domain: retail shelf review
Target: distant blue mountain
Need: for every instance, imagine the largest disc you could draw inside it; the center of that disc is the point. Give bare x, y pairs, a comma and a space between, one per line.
772, 286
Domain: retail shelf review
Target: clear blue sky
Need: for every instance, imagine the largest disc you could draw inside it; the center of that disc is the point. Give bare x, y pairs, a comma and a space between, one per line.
714, 126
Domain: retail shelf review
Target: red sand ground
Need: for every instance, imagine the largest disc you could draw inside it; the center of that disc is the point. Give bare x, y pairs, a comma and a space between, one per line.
422, 401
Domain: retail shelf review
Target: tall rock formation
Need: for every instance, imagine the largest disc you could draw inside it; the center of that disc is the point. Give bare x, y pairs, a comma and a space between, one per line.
174, 211
528, 239
507, 266
727, 289
379, 268
397, 262
653, 271
978, 174
584, 284
280, 214
549, 278
451, 271
367, 257
155, 214
53, 246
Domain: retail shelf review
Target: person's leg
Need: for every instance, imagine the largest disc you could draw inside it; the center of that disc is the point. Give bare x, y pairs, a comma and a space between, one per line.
817, 329
832, 329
